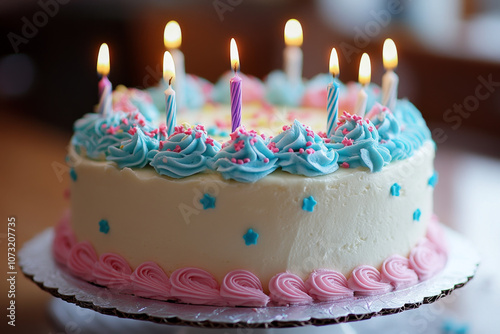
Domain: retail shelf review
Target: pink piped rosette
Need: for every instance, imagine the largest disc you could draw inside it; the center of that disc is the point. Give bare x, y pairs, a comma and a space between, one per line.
288, 289
150, 281
195, 286
367, 281
328, 285
241, 287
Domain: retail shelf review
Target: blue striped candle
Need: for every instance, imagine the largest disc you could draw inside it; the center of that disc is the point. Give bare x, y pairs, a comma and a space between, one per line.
171, 109
332, 106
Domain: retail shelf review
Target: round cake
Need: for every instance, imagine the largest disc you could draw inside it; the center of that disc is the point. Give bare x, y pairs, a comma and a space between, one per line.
275, 212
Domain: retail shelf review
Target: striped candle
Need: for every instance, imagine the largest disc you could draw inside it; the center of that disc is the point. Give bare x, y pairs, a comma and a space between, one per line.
105, 102
171, 109
332, 106
235, 87
170, 104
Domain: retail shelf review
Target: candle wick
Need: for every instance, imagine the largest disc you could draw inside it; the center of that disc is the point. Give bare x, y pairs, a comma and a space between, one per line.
235, 67
170, 81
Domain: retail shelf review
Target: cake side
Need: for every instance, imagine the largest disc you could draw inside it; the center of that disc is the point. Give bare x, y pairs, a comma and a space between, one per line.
359, 218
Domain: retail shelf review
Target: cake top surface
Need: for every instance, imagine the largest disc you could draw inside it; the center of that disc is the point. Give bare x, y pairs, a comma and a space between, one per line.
283, 127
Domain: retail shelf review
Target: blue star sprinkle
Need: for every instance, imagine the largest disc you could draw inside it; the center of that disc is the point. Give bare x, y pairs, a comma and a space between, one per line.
208, 202
308, 204
72, 173
395, 188
250, 237
433, 180
416, 215
453, 327
103, 226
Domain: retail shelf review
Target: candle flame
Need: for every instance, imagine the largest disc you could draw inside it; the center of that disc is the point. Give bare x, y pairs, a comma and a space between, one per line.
390, 54
172, 36
334, 63
365, 70
168, 67
103, 60
235, 58
293, 33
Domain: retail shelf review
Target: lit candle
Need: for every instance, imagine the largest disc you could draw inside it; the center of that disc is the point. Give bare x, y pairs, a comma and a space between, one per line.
172, 38
293, 53
364, 80
390, 79
332, 89
170, 104
235, 87
105, 88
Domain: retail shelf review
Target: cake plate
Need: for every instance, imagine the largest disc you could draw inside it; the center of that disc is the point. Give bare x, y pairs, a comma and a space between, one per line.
37, 263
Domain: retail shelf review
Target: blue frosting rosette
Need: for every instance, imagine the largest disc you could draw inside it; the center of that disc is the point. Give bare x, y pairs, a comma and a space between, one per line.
186, 152
301, 151
357, 143
133, 153
414, 130
280, 91
95, 133
245, 158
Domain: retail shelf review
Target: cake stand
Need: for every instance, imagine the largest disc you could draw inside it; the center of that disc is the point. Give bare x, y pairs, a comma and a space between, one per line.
37, 263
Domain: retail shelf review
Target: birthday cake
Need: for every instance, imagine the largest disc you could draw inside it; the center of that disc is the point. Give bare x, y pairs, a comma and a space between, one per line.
277, 211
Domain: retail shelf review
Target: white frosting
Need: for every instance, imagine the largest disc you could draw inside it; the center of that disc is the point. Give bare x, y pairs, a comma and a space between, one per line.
155, 218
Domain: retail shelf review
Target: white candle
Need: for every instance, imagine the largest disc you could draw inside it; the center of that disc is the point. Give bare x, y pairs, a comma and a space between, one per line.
292, 54
172, 38
390, 80
105, 106
364, 80
170, 103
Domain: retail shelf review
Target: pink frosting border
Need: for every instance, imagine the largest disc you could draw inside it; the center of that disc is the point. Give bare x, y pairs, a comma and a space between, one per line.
241, 287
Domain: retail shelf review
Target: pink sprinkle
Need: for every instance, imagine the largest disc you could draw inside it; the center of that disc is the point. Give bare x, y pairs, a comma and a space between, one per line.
125, 121
112, 130
188, 131
149, 134
177, 149
344, 165
103, 126
240, 162
345, 131
327, 140
161, 144
234, 135
309, 143
164, 160
132, 131
357, 118
286, 127
246, 160
290, 150
310, 151
384, 108
209, 141
168, 150
310, 133
275, 150
370, 128
179, 129
263, 136
253, 141
198, 134
233, 160
141, 122
301, 150
239, 145
136, 116
322, 134
200, 127
266, 160
347, 141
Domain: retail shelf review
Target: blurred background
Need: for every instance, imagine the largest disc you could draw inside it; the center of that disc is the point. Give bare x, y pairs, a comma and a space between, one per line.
449, 67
